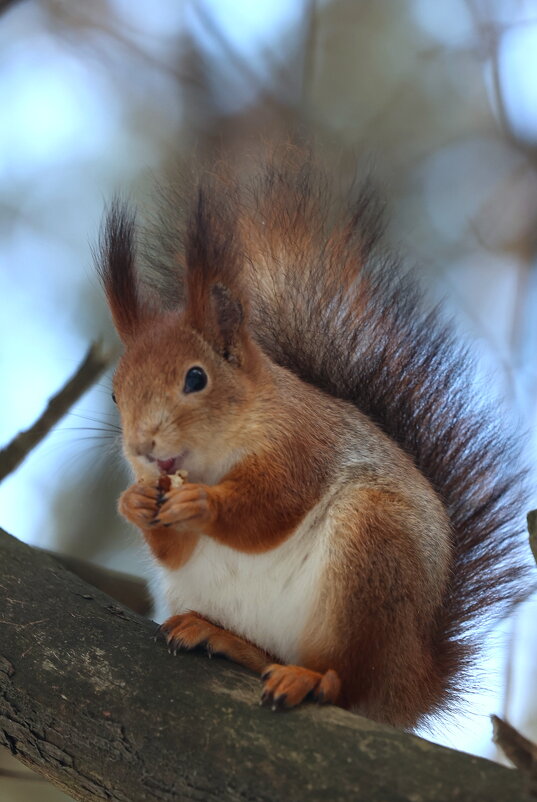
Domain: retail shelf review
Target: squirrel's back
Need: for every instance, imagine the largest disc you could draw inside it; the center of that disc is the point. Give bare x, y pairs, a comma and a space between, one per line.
331, 305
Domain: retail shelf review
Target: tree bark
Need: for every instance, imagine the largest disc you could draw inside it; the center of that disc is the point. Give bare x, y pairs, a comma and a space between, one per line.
88, 699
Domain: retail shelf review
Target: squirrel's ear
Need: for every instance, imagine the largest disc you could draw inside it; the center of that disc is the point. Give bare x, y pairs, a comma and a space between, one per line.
215, 303
219, 316
229, 320
115, 261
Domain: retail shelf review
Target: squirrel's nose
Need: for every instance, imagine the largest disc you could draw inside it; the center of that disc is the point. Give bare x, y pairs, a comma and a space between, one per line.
144, 448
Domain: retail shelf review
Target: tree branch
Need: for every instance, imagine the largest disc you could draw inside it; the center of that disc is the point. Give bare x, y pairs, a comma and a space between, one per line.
129, 590
532, 529
519, 750
91, 367
90, 701
7, 4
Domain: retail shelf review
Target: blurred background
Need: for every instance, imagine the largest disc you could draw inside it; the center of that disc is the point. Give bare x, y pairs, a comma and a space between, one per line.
437, 99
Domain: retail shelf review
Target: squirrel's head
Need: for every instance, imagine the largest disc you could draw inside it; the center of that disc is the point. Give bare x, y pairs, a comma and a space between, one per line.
187, 376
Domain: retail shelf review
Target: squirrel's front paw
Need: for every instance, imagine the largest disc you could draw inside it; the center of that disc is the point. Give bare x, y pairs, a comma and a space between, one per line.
187, 507
139, 504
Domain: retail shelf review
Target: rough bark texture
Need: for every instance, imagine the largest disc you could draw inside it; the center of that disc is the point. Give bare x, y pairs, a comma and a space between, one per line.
91, 701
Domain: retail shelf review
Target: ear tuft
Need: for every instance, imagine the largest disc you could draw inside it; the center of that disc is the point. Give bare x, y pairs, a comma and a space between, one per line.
115, 261
215, 305
229, 315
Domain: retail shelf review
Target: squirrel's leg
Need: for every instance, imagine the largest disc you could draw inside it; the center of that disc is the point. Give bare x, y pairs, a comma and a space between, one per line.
285, 686
191, 630
376, 618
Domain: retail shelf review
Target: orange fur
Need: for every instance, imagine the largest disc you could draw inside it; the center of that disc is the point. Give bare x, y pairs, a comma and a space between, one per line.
269, 490
329, 392
288, 686
138, 504
253, 493
171, 549
191, 630
379, 671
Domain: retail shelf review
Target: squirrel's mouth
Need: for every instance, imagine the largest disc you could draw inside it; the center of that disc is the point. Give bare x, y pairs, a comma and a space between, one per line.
172, 464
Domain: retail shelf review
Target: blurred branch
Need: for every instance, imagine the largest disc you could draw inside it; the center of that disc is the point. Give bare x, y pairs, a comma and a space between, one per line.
6, 4
124, 588
310, 52
76, 18
24, 776
242, 66
93, 364
490, 34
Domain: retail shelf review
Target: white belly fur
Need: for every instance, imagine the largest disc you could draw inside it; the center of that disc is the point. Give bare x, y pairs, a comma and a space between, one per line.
266, 598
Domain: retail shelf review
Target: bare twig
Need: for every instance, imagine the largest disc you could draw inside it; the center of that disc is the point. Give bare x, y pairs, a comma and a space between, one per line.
519, 750
6, 4
310, 49
532, 529
93, 364
241, 64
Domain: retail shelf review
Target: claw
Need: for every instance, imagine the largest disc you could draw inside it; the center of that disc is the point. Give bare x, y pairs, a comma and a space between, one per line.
279, 702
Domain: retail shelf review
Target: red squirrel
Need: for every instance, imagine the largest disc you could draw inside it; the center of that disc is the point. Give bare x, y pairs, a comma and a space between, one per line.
351, 512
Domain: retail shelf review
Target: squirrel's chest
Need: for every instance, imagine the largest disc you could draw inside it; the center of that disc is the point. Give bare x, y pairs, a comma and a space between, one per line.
266, 598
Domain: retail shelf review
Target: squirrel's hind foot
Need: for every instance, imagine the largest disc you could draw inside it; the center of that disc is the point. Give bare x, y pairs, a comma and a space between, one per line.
285, 686
288, 686
191, 630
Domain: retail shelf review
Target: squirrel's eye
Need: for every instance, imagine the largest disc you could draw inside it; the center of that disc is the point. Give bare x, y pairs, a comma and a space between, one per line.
114, 399
195, 380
